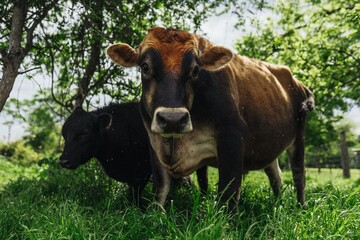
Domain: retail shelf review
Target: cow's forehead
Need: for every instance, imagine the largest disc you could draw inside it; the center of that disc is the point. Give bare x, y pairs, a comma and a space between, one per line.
77, 121
170, 44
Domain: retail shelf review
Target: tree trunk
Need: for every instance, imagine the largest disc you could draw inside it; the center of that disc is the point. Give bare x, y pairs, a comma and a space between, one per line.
344, 155
15, 55
94, 60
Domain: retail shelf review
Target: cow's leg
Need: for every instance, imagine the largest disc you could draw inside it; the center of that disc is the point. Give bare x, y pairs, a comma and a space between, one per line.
137, 187
274, 174
134, 194
296, 157
202, 177
230, 164
161, 179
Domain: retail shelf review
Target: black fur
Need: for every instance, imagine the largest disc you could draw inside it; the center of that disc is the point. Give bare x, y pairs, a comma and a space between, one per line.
116, 137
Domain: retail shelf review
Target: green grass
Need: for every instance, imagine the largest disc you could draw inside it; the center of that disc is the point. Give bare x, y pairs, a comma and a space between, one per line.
53, 203
11, 171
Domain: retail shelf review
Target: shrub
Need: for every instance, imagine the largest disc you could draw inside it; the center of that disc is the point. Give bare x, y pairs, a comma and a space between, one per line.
18, 151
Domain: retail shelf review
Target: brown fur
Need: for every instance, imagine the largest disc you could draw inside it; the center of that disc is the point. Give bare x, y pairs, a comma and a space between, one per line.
244, 112
170, 44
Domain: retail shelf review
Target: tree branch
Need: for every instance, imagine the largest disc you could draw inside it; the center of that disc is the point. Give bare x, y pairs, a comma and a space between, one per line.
351, 80
95, 52
36, 22
28, 70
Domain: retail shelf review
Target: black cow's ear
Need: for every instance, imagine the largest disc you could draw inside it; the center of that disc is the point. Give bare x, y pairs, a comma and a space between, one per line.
104, 120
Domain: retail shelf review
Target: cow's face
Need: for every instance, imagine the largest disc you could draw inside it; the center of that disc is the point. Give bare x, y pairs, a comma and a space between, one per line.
170, 61
81, 134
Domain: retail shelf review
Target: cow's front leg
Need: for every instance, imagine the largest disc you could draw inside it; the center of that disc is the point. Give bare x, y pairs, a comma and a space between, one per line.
161, 179
230, 164
202, 177
134, 194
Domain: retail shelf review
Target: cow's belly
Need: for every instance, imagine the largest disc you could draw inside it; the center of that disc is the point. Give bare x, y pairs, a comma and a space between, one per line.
258, 153
191, 152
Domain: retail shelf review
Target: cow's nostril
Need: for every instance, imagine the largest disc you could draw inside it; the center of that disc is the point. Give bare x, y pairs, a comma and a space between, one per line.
161, 119
184, 119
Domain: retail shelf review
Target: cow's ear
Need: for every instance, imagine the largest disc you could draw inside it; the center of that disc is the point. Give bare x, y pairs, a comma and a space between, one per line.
104, 120
122, 54
215, 58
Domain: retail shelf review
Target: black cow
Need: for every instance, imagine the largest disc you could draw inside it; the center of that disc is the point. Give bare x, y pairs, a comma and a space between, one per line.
116, 137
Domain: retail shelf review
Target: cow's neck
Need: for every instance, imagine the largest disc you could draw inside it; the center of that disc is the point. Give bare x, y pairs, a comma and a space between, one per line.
104, 155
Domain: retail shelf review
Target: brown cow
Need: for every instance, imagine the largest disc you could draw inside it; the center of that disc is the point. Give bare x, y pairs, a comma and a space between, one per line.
203, 105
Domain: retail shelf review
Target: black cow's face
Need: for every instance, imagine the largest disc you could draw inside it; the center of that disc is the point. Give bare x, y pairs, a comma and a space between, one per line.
168, 90
81, 135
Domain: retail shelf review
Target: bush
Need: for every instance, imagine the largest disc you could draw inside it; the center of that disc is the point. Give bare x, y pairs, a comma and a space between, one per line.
18, 151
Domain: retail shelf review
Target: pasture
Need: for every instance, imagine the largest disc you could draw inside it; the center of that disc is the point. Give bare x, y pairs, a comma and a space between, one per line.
46, 202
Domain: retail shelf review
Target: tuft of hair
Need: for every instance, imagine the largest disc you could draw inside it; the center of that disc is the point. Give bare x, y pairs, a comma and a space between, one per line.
170, 35
309, 103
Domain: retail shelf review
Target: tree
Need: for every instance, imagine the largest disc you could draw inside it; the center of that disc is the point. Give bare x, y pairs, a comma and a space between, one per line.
18, 21
319, 40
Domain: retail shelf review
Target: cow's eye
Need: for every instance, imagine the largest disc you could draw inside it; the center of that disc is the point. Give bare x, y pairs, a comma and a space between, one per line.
195, 72
82, 134
145, 69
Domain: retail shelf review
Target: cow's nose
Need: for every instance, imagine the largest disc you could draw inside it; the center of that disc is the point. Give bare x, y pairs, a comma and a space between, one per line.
63, 162
171, 120
66, 164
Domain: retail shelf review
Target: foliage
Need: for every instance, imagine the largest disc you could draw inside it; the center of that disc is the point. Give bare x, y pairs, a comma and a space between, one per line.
319, 40
18, 152
42, 131
57, 203
347, 125
11, 170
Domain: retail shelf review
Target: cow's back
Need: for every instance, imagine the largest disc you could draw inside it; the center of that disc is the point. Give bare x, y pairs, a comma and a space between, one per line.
269, 99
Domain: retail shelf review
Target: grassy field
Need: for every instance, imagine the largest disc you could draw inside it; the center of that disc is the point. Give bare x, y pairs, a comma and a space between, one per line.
47, 202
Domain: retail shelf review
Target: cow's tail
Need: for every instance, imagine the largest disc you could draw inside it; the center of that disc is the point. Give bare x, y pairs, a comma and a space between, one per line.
309, 103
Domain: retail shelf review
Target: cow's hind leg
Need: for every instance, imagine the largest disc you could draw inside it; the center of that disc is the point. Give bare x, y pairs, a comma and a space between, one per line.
274, 174
296, 157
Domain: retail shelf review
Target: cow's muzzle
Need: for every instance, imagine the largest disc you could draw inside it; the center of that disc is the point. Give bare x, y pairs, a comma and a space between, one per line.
67, 164
171, 122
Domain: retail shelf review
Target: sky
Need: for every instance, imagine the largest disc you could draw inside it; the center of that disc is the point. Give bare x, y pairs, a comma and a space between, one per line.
218, 29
